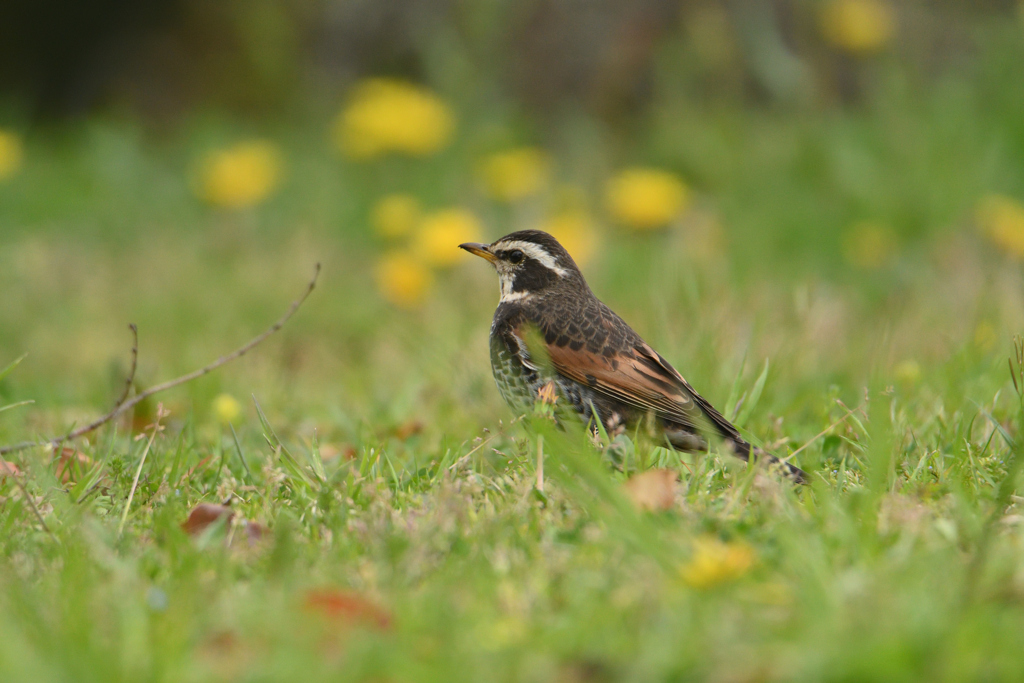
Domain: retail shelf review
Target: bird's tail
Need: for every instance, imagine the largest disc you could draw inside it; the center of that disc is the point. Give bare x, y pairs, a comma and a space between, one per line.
750, 453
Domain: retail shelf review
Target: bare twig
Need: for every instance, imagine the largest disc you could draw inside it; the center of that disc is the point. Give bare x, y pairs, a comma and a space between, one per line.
170, 384
135, 362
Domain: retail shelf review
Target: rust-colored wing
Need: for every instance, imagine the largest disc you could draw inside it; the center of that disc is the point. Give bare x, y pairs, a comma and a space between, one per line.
640, 378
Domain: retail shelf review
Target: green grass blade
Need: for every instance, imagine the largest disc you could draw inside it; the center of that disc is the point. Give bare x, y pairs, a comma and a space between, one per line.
753, 397
10, 366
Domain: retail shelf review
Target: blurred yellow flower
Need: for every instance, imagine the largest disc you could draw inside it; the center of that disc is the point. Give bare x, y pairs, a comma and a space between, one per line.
1001, 219
440, 234
387, 115
985, 336
574, 229
646, 198
869, 245
858, 26
403, 279
502, 633
516, 174
907, 372
240, 176
396, 215
715, 562
11, 153
226, 408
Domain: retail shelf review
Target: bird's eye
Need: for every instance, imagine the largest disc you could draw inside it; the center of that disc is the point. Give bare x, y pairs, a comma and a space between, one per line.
515, 257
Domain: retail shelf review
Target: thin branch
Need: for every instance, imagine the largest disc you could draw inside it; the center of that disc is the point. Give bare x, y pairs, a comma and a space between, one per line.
170, 384
135, 362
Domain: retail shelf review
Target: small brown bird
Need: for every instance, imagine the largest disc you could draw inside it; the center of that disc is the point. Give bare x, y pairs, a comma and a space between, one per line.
601, 367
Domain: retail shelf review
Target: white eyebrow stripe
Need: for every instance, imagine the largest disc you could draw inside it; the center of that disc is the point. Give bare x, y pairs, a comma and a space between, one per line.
536, 252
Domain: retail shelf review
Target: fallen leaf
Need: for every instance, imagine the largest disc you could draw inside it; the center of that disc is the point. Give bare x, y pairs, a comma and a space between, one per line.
328, 452
66, 459
254, 531
8, 468
408, 429
653, 490
348, 606
205, 514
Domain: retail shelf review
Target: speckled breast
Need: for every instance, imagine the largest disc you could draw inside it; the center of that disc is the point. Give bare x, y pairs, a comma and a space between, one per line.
517, 384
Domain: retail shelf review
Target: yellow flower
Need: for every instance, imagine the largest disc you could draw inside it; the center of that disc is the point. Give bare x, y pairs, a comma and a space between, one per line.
441, 233
869, 245
240, 176
502, 633
226, 408
386, 115
646, 198
396, 215
907, 372
985, 336
11, 153
858, 26
574, 229
516, 174
1001, 219
715, 562
403, 279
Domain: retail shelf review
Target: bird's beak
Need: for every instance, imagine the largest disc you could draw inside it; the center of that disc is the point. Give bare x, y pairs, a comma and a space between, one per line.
481, 250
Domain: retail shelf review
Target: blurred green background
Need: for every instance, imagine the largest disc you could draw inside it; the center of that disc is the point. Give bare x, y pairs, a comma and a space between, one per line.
808, 205
854, 165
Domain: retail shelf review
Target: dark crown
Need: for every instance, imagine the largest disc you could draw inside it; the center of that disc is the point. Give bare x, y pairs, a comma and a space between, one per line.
544, 241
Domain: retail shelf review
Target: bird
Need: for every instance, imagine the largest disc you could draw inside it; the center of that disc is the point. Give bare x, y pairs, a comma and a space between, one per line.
598, 365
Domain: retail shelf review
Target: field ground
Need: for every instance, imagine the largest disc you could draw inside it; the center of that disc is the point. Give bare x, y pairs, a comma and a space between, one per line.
397, 534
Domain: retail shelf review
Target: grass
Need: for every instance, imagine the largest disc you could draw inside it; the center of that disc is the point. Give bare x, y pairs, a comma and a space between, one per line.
406, 540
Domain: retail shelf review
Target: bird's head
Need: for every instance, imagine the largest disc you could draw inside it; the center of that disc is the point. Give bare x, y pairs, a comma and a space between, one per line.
529, 262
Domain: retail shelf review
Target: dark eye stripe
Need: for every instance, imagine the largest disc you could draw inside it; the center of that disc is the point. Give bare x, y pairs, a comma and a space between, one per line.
513, 256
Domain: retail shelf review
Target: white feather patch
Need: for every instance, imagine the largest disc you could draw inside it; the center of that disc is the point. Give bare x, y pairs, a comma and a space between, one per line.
515, 296
507, 294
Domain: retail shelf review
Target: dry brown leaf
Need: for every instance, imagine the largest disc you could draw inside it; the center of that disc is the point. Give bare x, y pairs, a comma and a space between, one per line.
254, 531
328, 452
408, 429
205, 514
348, 606
653, 490
66, 459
